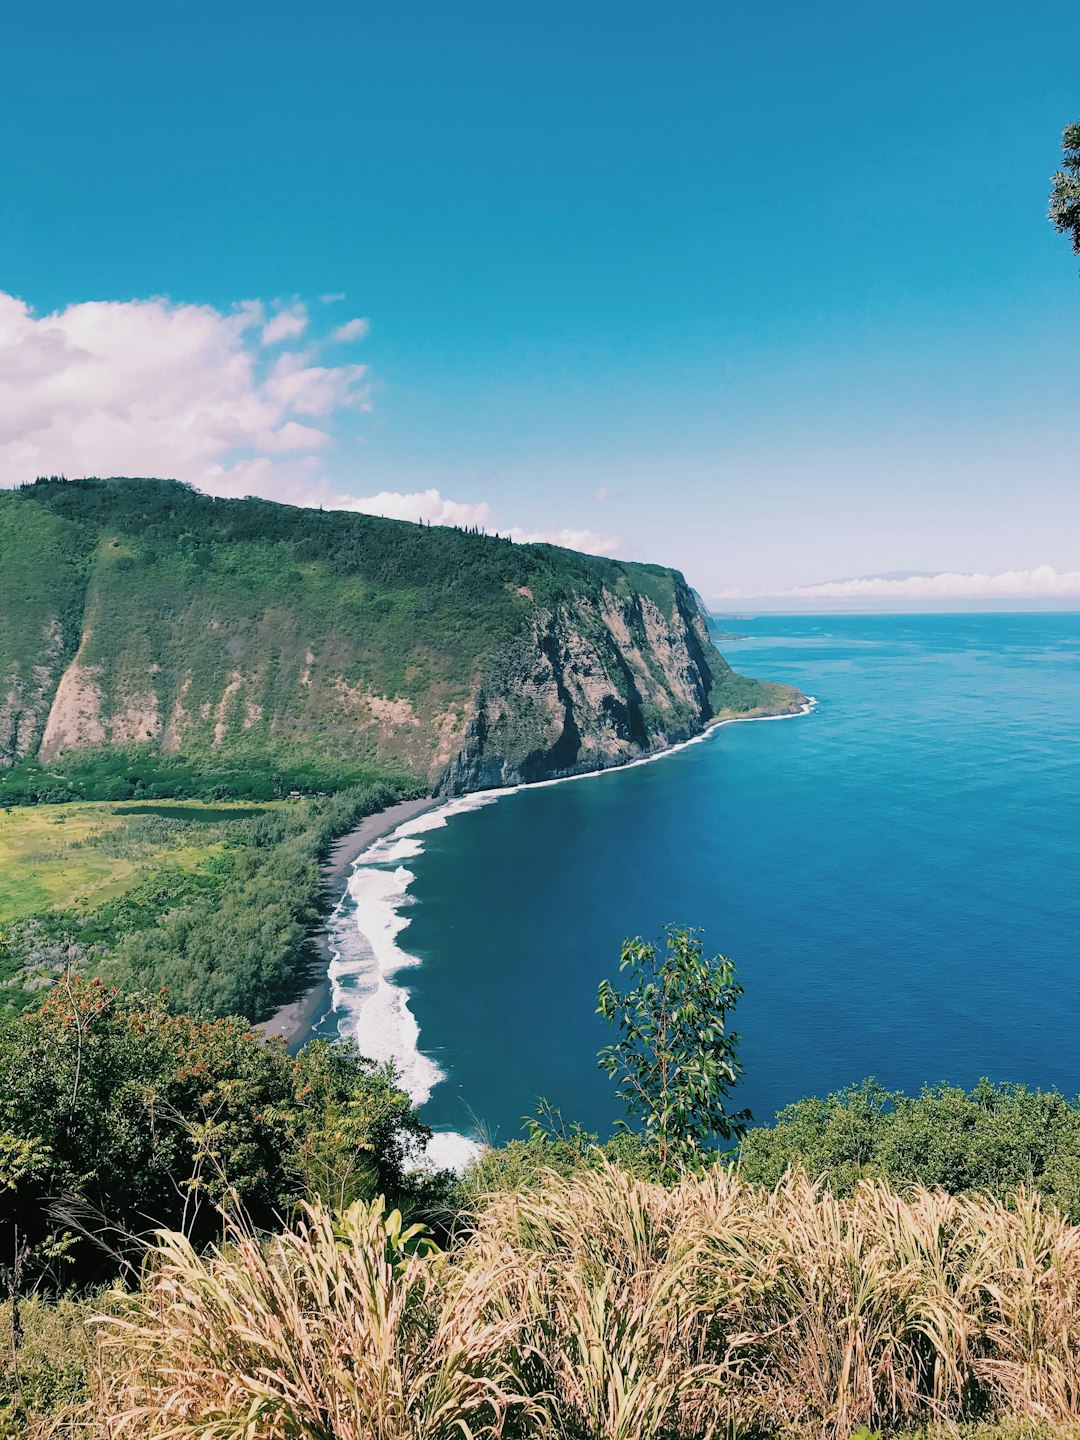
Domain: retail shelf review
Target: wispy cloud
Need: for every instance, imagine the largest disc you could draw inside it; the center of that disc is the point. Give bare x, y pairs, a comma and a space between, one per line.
427, 506
351, 330
593, 542
285, 325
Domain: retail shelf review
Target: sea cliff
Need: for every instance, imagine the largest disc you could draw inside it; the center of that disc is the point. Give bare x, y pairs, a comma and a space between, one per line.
595, 682
139, 616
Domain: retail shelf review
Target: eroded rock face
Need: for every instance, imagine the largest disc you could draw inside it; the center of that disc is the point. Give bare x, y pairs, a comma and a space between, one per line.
592, 684
597, 680
25, 698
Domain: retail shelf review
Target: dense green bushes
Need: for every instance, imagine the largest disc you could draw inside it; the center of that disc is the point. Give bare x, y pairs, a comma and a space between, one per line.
527, 1165
227, 936
992, 1139
245, 948
139, 772
118, 1116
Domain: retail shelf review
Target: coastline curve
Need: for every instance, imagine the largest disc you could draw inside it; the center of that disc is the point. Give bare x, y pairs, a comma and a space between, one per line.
368, 1003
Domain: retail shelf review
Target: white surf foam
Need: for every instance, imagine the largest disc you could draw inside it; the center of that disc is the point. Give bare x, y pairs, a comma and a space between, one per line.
372, 1008
706, 734
447, 1150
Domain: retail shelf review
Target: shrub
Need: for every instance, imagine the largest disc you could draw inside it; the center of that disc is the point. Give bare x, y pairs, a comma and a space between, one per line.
117, 1117
991, 1139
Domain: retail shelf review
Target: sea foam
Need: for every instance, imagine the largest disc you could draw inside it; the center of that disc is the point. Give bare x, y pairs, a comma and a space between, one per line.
370, 1005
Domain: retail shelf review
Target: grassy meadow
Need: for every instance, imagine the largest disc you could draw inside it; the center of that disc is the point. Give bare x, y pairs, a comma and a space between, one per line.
215, 900
80, 856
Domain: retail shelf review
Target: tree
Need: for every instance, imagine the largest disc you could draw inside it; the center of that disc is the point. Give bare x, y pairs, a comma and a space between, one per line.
1064, 212
675, 1061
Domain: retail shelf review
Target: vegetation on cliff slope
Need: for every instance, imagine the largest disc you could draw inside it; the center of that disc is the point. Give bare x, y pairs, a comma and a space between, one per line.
233, 636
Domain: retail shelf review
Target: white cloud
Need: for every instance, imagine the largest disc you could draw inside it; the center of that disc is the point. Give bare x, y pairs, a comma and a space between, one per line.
149, 387
422, 505
592, 542
332, 299
294, 436
306, 389
285, 325
1042, 582
351, 330
603, 494
435, 509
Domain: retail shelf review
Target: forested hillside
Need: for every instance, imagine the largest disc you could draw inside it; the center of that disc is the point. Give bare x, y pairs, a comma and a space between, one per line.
143, 617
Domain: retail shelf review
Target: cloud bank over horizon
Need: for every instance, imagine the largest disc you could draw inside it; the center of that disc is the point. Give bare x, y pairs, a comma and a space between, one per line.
234, 402
1042, 582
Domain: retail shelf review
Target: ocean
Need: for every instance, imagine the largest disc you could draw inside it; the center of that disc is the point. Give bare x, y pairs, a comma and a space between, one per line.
895, 875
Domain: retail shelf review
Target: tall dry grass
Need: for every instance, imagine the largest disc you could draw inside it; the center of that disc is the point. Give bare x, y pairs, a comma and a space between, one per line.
340, 1329
608, 1308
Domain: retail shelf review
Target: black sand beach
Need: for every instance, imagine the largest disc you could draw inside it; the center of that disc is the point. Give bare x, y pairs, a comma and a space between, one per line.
295, 1021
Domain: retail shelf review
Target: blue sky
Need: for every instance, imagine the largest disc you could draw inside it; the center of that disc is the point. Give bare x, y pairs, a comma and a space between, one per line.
764, 292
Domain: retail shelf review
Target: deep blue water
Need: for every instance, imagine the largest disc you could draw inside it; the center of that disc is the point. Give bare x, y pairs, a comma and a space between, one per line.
896, 876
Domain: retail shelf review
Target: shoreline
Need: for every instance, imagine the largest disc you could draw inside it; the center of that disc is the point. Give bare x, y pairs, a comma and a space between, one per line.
296, 1021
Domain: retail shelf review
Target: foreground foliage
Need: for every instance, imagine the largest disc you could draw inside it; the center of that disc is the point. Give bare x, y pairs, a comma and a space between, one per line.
1065, 189
46, 1356
117, 1117
609, 1306
675, 1058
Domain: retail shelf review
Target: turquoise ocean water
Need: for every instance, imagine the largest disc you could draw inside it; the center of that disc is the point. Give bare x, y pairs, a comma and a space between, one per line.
897, 876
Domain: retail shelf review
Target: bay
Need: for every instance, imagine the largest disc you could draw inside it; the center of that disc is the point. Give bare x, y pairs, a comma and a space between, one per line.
895, 874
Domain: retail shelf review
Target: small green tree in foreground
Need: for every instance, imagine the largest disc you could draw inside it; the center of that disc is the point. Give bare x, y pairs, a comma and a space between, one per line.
675, 1060
1065, 189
